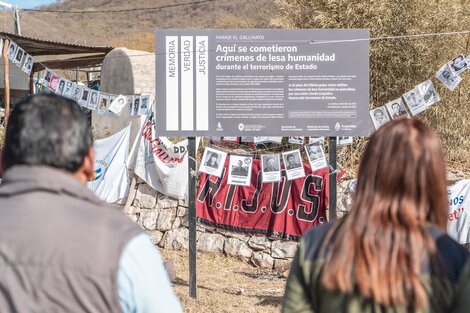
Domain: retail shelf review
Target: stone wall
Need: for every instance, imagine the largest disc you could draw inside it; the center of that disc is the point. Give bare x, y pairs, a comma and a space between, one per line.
166, 221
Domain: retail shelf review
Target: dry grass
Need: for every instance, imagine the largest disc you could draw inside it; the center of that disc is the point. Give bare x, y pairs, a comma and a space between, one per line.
226, 284
396, 66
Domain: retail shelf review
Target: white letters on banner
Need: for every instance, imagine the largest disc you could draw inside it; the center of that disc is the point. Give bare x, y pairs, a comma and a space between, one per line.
458, 222
160, 163
111, 182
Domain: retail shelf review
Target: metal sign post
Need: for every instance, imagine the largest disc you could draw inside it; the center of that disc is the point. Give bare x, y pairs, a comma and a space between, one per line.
192, 215
332, 155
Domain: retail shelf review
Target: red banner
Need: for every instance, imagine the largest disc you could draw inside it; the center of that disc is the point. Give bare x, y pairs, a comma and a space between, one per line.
285, 209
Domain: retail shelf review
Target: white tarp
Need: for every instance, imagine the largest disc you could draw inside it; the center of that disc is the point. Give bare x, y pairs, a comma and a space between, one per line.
160, 163
458, 222
111, 182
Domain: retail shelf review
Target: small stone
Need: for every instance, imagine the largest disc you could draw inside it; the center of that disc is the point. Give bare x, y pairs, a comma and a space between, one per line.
237, 248
134, 218
133, 210
166, 203
262, 259
145, 197
182, 211
148, 219
165, 219
208, 242
183, 202
155, 236
283, 249
176, 239
282, 266
259, 243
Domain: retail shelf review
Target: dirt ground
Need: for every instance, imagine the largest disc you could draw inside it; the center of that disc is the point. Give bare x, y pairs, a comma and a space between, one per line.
226, 284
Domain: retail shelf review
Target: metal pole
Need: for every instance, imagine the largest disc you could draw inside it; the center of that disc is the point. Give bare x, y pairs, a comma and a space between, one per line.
192, 215
332, 156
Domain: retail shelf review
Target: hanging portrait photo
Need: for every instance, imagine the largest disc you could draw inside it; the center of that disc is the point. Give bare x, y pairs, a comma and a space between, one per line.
415, 101
213, 162
103, 104
397, 109
144, 105
293, 164
117, 104
458, 64
76, 92
18, 57
60, 87
428, 93
271, 168
316, 156
68, 89
84, 97
12, 50
53, 82
135, 105
28, 64
379, 116
240, 170
448, 78
94, 98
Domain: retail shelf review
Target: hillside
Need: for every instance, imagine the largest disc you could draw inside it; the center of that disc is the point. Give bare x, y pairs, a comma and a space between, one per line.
135, 29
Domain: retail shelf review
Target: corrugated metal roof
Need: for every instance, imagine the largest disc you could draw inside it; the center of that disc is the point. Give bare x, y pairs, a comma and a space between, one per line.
38, 47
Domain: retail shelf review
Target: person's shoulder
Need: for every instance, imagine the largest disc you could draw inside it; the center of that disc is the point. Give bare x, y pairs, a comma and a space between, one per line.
313, 240
454, 255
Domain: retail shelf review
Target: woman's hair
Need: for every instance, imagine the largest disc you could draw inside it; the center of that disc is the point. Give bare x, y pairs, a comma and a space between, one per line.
380, 246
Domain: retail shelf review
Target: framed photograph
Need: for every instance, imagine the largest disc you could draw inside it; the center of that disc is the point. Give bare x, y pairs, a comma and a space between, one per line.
60, 87
315, 139
54, 82
76, 92
117, 104
84, 97
428, 93
458, 64
293, 165
135, 105
397, 109
28, 64
415, 101
103, 104
18, 56
144, 105
213, 162
271, 168
448, 78
240, 170
94, 99
68, 89
316, 156
12, 51
379, 116
47, 77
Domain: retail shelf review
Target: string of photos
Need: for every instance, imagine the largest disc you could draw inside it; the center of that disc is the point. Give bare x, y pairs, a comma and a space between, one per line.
423, 95
240, 166
101, 102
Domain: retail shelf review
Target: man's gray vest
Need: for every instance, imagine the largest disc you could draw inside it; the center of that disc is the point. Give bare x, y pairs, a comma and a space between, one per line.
59, 245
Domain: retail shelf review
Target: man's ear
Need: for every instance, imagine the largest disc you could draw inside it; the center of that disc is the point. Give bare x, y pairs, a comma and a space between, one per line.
89, 164
86, 172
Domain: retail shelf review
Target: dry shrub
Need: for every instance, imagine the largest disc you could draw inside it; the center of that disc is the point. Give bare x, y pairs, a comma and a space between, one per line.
397, 65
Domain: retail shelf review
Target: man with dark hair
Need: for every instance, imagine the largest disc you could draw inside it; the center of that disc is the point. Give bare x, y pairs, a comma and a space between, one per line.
61, 248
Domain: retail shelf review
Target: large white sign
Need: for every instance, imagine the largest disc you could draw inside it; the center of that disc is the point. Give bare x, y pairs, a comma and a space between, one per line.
262, 82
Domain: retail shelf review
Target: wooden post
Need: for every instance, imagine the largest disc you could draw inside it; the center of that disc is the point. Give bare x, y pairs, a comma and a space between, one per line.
6, 80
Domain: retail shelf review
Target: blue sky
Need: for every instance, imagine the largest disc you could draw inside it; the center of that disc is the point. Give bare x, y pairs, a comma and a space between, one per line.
27, 4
